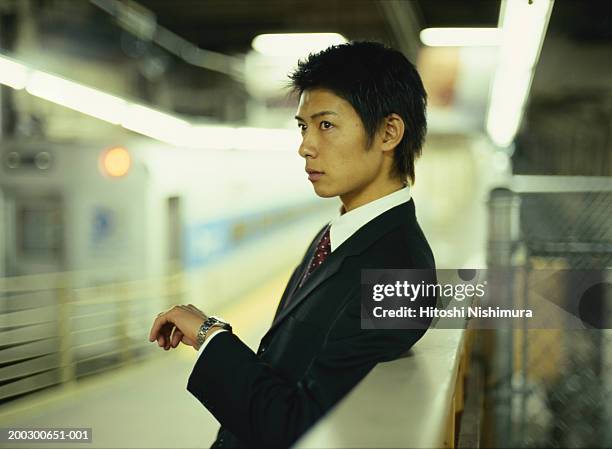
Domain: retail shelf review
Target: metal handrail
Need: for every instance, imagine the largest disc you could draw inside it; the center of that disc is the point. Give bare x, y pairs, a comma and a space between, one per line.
41, 344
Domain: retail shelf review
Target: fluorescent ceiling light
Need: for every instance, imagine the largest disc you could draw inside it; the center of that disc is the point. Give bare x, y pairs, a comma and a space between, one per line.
295, 44
524, 26
12, 73
77, 96
509, 91
156, 124
139, 118
523, 29
460, 37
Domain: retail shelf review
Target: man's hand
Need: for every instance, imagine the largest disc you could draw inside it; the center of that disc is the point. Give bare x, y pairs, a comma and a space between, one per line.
184, 320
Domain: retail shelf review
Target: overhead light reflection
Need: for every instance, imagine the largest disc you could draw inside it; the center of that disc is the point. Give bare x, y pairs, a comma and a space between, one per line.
460, 37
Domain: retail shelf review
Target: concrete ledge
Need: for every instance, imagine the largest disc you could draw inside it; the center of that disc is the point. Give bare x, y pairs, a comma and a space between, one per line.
403, 403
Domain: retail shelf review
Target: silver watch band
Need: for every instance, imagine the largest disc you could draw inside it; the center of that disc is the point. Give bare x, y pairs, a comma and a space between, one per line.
206, 325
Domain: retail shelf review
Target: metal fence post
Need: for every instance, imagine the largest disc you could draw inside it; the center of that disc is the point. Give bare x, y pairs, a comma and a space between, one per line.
503, 235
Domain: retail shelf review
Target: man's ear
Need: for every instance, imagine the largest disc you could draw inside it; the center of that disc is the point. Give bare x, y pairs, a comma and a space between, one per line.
392, 131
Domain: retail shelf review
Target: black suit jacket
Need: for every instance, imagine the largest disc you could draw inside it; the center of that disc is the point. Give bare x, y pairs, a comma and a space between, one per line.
315, 350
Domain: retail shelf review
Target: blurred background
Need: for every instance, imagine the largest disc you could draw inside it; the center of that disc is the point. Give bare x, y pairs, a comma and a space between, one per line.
148, 153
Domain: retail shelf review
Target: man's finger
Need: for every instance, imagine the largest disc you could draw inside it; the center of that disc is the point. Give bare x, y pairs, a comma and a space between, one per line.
166, 332
177, 336
158, 324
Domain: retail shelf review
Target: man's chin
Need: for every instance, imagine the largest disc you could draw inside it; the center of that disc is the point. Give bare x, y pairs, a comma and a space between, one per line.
323, 192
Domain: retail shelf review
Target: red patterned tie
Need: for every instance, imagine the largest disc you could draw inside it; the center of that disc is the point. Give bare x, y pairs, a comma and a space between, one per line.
323, 250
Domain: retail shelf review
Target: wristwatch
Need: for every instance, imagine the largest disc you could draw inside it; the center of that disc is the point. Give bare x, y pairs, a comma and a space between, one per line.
206, 325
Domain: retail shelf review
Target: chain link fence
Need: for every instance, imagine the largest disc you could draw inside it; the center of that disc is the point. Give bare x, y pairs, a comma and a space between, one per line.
552, 387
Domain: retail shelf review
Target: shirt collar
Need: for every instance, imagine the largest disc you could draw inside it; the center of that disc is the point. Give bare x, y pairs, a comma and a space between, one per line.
345, 225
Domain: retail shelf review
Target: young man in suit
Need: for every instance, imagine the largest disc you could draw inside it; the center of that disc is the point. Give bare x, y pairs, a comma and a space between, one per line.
361, 114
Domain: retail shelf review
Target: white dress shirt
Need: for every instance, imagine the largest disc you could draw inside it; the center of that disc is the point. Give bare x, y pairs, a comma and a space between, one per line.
347, 223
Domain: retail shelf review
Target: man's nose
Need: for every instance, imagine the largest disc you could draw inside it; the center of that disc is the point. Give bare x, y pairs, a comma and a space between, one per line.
307, 147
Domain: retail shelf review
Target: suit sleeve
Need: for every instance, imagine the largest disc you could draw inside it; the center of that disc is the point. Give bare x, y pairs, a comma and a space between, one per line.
262, 408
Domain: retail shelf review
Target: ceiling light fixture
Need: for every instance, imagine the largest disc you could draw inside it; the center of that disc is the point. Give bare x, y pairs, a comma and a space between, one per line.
295, 44
84, 99
523, 27
12, 73
138, 118
460, 37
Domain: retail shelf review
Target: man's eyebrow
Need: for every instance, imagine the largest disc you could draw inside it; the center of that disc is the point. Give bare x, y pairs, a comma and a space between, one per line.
317, 114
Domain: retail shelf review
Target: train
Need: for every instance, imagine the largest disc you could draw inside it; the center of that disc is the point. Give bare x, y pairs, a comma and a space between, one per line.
93, 231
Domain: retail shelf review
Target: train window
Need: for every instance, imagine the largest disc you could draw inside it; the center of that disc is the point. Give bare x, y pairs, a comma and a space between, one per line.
39, 231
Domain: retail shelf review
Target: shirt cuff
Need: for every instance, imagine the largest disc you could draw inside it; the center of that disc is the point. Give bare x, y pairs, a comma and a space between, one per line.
208, 340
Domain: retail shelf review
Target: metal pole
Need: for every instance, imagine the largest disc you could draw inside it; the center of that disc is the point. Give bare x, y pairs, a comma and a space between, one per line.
503, 234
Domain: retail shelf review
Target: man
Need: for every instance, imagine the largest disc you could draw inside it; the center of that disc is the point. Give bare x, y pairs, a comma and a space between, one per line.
361, 114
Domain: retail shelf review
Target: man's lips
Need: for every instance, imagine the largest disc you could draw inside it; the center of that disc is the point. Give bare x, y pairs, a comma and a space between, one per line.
314, 175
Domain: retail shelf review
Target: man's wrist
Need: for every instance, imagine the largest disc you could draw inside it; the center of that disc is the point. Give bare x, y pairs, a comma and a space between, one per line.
209, 333
213, 330
210, 322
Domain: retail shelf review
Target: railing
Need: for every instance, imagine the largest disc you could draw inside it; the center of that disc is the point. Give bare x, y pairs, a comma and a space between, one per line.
415, 401
55, 330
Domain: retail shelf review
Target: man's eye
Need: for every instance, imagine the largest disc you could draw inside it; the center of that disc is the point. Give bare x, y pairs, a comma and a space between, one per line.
326, 125
302, 127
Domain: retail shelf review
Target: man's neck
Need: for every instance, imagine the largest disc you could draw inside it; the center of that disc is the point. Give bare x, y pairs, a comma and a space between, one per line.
363, 198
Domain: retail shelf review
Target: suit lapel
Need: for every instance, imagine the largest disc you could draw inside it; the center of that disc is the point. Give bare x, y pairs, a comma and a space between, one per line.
356, 244
329, 267
299, 274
